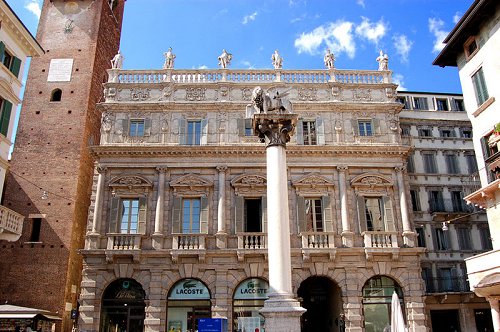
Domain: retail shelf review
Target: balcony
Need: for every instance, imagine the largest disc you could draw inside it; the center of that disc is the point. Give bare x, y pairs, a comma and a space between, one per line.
11, 224
188, 245
251, 244
123, 245
447, 285
318, 243
380, 243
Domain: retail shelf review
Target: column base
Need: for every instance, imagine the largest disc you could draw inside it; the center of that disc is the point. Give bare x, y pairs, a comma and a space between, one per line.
221, 239
348, 239
282, 313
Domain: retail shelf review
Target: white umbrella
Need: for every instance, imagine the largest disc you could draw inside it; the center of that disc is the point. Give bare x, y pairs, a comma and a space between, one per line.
397, 319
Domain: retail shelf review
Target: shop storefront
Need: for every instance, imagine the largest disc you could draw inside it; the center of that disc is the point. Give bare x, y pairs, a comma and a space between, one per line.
248, 299
188, 300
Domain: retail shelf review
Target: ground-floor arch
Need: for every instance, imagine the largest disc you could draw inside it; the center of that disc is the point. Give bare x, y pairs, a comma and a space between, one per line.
322, 299
248, 299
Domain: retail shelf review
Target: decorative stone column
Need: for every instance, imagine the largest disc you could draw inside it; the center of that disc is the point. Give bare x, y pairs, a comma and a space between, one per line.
221, 235
281, 310
347, 234
408, 234
495, 313
94, 235
159, 215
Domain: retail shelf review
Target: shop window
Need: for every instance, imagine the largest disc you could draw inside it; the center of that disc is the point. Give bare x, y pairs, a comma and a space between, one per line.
56, 95
377, 296
6, 108
10, 61
310, 132
480, 87
248, 300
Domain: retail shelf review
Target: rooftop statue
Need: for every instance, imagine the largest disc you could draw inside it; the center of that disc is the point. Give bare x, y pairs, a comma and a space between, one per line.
117, 61
169, 59
225, 59
329, 60
277, 60
383, 61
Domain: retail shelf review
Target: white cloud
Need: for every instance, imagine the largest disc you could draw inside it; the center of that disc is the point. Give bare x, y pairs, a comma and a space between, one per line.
249, 18
361, 3
436, 28
337, 36
371, 31
34, 7
247, 64
202, 67
457, 17
399, 80
403, 46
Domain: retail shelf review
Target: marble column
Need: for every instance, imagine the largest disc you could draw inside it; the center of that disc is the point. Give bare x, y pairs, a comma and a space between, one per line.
495, 314
281, 310
93, 236
408, 234
159, 214
221, 235
347, 234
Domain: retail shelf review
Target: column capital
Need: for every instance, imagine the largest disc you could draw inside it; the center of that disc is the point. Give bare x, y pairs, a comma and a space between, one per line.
101, 169
401, 169
222, 168
161, 169
274, 129
342, 168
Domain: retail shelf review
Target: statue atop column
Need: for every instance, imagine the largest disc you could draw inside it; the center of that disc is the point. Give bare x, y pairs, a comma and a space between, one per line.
277, 60
225, 59
169, 59
383, 61
262, 102
117, 61
329, 60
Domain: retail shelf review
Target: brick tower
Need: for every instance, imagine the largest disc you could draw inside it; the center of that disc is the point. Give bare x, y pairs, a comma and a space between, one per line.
51, 169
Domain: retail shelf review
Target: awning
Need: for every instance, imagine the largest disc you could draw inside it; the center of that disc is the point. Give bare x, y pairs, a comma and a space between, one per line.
8, 311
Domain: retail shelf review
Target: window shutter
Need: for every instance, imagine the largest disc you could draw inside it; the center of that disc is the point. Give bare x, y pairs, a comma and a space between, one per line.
113, 215
241, 127
239, 214
16, 66
147, 127
264, 214
376, 126
182, 132
434, 238
301, 214
388, 215
204, 215
5, 117
300, 133
2, 50
125, 127
355, 128
361, 213
320, 131
327, 213
176, 214
204, 132
142, 215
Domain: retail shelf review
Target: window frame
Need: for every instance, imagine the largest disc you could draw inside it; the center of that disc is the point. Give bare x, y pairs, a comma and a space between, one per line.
309, 132
442, 104
420, 103
194, 219
468, 53
429, 162
365, 128
480, 87
452, 164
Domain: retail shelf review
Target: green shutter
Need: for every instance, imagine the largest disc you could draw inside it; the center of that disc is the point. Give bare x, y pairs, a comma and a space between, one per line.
320, 131
327, 213
204, 132
2, 50
355, 128
241, 127
142, 215
5, 117
264, 214
204, 216
176, 215
388, 215
113, 215
147, 127
182, 132
239, 214
361, 213
301, 214
125, 127
16, 66
300, 133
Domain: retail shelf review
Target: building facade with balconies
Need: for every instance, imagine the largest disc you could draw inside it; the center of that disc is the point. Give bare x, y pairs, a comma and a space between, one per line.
16, 45
442, 169
473, 46
177, 226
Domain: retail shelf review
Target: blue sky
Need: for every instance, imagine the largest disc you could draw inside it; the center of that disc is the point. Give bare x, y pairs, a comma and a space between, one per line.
409, 31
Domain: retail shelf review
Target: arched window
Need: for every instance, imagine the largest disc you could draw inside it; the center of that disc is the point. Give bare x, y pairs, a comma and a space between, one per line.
56, 95
248, 299
377, 296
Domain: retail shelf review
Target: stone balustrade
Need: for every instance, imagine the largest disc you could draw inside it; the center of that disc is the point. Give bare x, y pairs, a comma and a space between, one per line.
317, 240
188, 241
380, 239
198, 76
252, 241
11, 224
124, 241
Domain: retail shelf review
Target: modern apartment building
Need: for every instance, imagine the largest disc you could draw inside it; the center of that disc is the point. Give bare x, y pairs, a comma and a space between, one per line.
473, 46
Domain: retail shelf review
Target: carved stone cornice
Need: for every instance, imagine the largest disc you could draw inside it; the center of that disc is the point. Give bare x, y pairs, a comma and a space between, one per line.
250, 185
370, 183
191, 184
312, 184
130, 183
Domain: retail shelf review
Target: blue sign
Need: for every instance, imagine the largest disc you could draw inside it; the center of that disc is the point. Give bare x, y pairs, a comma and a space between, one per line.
212, 325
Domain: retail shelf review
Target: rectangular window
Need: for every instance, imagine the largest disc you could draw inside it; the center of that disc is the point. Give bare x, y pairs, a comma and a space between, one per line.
464, 240
425, 132
442, 242
365, 128
420, 103
436, 202
36, 226
253, 215
430, 165
420, 237
6, 109
445, 280
471, 163
403, 101
466, 133
129, 215
441, 104
405, 130
309, 132
410, 164
458, 105
191, 208
314, 215
10, 61
415, 200
193, 132
452, 164
447, 132
136, 128
480, 87
457, 201
484, 234
248, 127
428, 279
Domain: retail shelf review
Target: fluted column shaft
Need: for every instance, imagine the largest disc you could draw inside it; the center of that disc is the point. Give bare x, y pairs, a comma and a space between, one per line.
221, 206
96, 219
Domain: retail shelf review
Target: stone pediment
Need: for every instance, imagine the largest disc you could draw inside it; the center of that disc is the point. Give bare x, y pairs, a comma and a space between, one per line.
191, 184
250, 185
371, 180
130, 181
312, 184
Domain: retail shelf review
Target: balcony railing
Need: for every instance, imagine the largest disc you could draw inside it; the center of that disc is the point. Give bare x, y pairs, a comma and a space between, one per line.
317, 240
447, 285
380, 239
11, 224
188, 241
252, 241
124, 241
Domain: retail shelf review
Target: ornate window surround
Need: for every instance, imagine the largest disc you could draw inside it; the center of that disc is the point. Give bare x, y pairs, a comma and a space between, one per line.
313, 185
